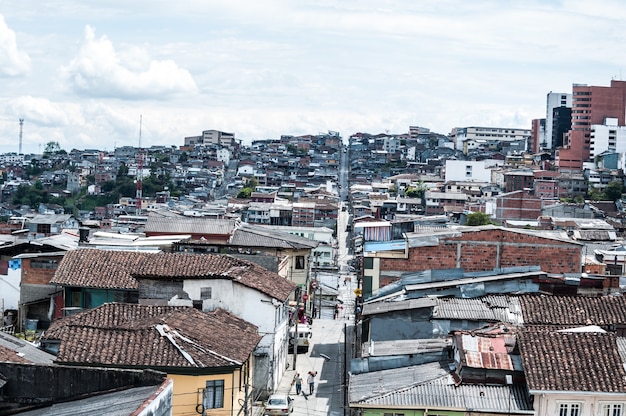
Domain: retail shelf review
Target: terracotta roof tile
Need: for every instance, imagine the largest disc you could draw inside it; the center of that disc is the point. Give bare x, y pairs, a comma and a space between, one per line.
120, 270
572, 361
124, 335
208, 266
98, 269
573, 310
9, 355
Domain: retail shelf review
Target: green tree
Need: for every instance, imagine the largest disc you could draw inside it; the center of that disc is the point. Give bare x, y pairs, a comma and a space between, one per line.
245, 193
52, 147
478, 218
413, 192
614, 190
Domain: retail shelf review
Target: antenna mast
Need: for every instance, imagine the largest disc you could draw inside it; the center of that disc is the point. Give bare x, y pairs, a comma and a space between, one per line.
139, 194
21, 126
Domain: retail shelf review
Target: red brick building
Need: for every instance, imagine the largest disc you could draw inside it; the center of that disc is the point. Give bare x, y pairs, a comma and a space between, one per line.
590, 105
476, 249
518, 205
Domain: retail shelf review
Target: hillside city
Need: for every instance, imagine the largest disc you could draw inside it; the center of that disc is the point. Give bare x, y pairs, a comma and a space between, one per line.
475, 272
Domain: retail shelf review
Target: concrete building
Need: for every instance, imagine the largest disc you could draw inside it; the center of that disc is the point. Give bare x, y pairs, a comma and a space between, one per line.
467, 170
591, 105
608, 137
555, 101
461, 134
537, 135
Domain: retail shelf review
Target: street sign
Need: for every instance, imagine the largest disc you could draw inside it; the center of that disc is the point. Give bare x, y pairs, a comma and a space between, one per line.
305, 297
358, 292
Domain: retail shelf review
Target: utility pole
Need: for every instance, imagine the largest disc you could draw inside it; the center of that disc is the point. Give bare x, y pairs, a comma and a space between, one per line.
345, 370
139, 179
294, 340
21, 127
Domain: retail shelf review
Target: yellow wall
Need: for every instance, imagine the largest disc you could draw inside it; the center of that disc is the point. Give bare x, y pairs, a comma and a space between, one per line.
187, 393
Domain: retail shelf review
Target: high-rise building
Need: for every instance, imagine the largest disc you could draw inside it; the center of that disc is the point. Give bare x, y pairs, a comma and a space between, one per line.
561, 124
537, 135
554, 100
590, 105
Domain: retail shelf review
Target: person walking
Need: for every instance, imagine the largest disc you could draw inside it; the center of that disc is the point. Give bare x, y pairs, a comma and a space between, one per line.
311, 380
298, 384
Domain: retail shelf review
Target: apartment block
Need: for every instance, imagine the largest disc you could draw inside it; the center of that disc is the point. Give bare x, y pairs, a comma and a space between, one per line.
591, 105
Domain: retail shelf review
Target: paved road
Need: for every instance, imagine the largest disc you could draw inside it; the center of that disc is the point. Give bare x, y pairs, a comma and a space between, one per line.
328, 339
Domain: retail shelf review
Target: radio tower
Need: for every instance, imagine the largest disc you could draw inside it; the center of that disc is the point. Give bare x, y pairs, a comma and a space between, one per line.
21, 126
139, 194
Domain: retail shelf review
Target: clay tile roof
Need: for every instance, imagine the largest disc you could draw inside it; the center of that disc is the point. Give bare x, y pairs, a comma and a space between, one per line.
98, 269
9, 355
573, 310
164, 337
572, 361
120, 270
250, 236
215, 266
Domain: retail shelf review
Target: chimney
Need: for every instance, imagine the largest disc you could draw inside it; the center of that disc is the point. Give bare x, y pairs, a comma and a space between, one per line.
83, 235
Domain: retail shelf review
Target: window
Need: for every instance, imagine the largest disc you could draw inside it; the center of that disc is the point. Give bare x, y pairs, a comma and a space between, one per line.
569, 409
205, 293
401, 414
214, 394
300, 262
368, 263
612, 409
43, 228
43, 264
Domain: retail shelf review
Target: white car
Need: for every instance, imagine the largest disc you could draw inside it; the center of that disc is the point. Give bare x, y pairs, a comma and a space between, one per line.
278, 404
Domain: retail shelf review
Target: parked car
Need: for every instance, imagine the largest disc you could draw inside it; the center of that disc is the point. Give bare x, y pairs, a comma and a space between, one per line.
278, 404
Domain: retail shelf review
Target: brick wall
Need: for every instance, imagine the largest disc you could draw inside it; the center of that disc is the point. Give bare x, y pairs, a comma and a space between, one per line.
485, 250
39, 271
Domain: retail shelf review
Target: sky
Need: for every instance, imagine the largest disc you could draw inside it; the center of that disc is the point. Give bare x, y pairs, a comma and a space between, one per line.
101, 74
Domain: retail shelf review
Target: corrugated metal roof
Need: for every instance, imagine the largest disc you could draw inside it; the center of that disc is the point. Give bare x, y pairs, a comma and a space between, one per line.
473, 280
487, 308
486, 352
368, 385
384, 307
406, 346
26, 350
439, 393
442, 393
119, 403
621, 347
596, 235
185, 225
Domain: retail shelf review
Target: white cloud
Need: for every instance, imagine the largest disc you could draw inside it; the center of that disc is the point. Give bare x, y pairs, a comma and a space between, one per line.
99, 71
39, 111
13, 62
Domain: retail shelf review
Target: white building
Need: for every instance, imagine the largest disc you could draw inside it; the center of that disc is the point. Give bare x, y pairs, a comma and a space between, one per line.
467, 171
223, 155
479, 134
553, 100
608, 137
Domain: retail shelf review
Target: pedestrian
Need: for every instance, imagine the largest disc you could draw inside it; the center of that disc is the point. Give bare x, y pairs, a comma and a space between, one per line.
336, 312
311, 380
298, 384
